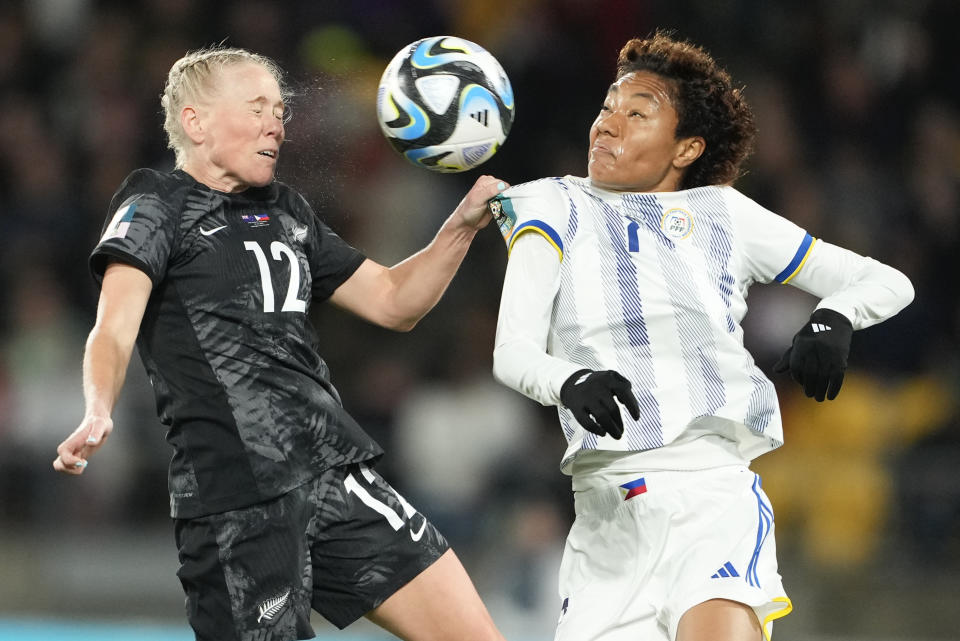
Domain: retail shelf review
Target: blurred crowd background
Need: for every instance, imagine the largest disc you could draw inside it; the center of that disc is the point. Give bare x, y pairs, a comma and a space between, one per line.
858, 108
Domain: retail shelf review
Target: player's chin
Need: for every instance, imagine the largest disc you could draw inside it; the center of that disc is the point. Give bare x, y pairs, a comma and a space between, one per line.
599, 161
260, 179
601, 172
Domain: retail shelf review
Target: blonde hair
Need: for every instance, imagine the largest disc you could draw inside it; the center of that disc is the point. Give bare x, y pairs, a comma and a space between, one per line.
192, 76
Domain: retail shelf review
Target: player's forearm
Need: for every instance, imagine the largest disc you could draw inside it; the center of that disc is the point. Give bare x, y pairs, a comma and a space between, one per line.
868, 302
522, 366
105, 364
864, 290
420, 280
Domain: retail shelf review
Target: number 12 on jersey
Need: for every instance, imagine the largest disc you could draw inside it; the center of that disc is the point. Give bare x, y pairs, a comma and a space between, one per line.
279, 251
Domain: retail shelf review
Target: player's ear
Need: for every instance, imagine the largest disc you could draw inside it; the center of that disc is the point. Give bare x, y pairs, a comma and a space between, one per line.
688, 150
192, 124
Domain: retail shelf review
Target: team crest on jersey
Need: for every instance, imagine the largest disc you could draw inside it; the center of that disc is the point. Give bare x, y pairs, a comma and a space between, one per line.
300, 233
676, 223
269, 608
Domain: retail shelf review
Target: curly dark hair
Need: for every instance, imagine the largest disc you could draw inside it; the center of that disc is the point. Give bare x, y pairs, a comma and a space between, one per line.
707, 104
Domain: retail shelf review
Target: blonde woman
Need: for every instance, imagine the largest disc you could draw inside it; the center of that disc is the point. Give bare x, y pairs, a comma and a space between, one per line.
210, 269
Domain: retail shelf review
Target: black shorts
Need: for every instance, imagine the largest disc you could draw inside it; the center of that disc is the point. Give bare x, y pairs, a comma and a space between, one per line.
340, 544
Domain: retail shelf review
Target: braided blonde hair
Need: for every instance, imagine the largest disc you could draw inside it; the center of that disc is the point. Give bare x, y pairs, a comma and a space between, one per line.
192, 76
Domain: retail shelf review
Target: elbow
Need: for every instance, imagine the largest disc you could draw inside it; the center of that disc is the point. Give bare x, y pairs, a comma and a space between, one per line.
908, 291
507, 370
401, 324
903, 287
398, 318
500, 368
405, 326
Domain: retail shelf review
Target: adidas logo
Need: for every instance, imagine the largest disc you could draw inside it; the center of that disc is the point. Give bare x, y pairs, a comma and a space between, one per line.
269, 608
481, 116
819, 327
726, 571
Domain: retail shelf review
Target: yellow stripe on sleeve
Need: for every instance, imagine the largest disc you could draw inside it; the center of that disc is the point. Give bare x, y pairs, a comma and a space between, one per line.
813, 242
519, 232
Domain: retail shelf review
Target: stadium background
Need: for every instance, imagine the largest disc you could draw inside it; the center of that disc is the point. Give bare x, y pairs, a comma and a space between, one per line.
857, 104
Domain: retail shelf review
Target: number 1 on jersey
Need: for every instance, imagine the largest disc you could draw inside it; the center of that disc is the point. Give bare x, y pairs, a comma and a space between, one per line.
633, 236
278, 250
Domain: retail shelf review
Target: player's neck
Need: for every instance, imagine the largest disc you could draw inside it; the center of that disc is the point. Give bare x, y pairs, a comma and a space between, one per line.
216, 179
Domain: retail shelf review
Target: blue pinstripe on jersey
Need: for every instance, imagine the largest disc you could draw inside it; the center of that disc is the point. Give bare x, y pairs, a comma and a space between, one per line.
628, 327
715, 241
570, 336
652, 280
704, 385
717, 245
762, 404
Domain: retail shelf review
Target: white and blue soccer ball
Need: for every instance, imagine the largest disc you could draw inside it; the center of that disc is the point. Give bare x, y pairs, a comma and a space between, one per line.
445, 104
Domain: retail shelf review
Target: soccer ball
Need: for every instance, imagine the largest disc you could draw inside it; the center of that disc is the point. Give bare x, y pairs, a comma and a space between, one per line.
445, 104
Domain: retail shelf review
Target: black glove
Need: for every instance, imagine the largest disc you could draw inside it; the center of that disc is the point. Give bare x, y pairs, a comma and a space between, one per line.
590, 396
818, 356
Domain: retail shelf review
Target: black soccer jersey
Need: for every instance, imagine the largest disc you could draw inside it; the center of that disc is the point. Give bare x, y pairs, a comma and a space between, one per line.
226, 339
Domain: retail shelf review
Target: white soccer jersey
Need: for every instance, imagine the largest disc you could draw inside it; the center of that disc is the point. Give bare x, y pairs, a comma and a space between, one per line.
654, 285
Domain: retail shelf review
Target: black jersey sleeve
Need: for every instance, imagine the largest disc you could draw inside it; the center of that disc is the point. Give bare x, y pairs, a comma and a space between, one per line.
332, 259
140, 228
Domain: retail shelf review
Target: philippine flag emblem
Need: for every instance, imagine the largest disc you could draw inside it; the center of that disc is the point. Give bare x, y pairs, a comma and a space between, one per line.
633, 488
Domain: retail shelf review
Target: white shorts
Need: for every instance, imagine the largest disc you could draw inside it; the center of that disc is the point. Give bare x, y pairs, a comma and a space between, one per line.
641, 554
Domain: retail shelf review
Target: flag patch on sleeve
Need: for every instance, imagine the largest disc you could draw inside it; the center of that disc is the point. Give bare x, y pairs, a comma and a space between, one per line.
120, 222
